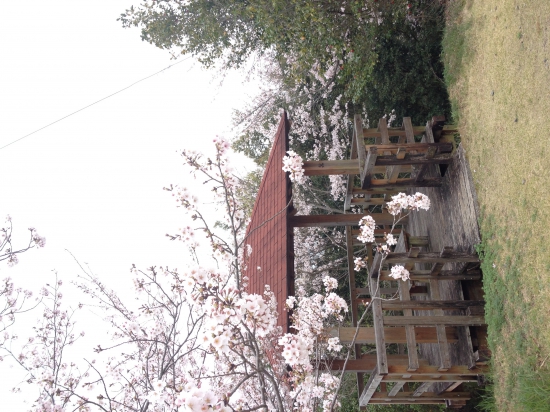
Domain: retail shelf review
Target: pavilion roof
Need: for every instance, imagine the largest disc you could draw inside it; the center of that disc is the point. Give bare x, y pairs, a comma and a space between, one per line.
269, 233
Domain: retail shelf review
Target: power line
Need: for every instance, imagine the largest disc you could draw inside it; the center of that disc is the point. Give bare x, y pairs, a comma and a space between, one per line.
96, 102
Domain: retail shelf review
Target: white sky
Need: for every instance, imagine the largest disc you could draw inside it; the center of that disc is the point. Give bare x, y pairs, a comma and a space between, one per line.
92, 183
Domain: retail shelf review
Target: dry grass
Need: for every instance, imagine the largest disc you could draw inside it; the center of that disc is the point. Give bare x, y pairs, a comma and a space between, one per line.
497, 56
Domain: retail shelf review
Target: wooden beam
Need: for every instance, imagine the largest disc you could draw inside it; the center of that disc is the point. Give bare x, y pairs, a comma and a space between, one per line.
423, 395
430, 378
367, 363
435, 295
425, 371
428, 133
421, 389
425, 275
375, 266
378, 323
382, 291
409, 329
370, 201
335, 167
370, 388
409, 130
427, 182
413, 159
417, 130
405, 402
351, 219
430, 304
354, 303
445, 252
451, 387
416, 147
383, 129
351, 177
392, 172
378, 190
393, 334
396, 388
451, 320
368, 169
430, 257
361, 151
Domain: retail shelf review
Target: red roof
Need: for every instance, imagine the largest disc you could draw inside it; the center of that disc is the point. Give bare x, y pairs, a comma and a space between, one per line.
269, 234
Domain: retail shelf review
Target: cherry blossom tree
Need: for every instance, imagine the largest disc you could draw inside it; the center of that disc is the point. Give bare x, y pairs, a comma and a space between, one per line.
194, 340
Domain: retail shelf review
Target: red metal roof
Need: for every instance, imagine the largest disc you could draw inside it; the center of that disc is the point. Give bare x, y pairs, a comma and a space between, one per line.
269, 234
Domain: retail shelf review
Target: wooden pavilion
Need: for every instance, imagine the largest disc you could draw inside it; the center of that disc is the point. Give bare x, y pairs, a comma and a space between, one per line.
429, 332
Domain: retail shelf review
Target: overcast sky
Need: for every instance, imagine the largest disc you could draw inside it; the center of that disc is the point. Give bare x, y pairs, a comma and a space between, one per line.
92, 183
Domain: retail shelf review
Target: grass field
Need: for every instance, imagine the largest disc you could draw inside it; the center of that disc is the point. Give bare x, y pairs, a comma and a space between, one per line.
497, 67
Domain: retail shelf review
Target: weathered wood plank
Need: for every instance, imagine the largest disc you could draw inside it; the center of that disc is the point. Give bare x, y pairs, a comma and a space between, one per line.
370, 388
392, 334
451, 320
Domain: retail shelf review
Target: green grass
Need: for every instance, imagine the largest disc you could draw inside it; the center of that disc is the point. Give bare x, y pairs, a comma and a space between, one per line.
496, 56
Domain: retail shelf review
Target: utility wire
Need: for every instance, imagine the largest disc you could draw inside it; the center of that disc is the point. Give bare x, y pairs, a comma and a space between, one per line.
96, 102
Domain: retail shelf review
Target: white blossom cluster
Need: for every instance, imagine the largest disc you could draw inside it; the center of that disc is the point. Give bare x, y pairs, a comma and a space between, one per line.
359, 263
293, 164
309, 316
401, 202
366, 226
399, 272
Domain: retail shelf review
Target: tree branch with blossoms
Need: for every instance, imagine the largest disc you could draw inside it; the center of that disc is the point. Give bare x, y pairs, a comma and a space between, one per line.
7, 251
